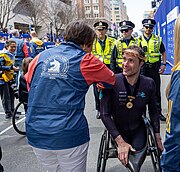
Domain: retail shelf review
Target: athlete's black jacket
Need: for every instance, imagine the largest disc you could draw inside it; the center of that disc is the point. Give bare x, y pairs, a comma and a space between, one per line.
113, 104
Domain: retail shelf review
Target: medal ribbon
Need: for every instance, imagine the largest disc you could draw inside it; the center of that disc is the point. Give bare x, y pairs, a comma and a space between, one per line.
129, 93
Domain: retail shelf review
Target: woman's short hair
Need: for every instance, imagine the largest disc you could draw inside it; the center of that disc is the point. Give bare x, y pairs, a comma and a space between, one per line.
79, 33
25, 64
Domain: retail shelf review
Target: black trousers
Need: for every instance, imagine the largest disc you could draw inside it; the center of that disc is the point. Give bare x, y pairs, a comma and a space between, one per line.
152, 71
7, 97
137, 138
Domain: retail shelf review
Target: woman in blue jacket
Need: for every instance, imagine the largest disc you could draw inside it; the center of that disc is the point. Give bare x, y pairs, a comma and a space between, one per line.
58, 80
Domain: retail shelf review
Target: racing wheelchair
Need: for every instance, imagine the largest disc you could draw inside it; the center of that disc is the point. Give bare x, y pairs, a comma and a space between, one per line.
108, 149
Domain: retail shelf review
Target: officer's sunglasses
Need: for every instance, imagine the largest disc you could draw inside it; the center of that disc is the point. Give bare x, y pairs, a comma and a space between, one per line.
124, 30
148, 27
101, 29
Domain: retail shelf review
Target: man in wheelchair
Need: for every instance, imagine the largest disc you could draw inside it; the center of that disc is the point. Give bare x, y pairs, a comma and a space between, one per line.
123, 106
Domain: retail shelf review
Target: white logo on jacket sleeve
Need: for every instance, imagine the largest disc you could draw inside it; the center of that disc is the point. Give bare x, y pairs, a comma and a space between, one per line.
55, 67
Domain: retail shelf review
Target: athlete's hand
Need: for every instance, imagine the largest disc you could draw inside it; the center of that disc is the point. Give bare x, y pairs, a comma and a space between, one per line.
123, 150
159, 143
100, 86
162, 69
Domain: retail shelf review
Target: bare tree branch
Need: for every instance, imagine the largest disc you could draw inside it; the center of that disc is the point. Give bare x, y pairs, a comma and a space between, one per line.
60, 14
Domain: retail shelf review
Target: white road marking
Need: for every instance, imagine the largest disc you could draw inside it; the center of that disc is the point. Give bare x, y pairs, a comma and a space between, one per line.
11, 126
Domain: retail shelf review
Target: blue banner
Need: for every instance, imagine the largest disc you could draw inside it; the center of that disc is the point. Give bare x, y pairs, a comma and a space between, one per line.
165, 17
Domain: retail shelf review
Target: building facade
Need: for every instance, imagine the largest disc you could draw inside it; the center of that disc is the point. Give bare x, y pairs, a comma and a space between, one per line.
118, 11
93, 10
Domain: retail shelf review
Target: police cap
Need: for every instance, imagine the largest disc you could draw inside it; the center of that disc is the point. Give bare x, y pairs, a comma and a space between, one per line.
126, 25
149, 22
100, 25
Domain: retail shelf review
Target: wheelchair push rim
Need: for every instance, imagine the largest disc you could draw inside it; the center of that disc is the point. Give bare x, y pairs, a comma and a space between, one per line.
103, 152
153, 151
19, 113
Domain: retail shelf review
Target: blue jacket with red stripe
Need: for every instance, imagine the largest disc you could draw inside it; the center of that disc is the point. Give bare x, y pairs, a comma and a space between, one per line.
171, 156
59, 79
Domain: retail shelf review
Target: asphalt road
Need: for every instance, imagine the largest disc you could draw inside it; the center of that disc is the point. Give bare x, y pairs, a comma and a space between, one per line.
18, 155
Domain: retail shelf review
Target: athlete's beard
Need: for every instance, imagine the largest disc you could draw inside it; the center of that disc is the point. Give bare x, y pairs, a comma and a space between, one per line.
132, 78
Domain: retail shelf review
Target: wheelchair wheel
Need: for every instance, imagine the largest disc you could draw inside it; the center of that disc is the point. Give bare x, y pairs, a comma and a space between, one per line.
153, 151
103, 152
19, 113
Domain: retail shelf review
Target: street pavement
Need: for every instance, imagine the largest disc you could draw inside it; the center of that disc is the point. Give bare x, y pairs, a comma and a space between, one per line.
19, 157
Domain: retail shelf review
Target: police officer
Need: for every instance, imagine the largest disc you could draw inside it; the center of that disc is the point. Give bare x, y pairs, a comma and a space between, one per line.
102, 49
126, 28
154, 50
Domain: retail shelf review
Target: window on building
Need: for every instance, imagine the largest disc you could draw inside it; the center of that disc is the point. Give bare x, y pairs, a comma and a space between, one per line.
116, 5
95, 1
116, 12
116, 8
87, 1
95, 7
88, 15
87, 8
96, 15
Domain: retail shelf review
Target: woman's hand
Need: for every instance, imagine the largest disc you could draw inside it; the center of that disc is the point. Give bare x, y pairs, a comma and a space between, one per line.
16, 68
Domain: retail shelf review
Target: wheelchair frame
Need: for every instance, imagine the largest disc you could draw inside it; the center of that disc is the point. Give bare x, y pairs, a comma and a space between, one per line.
108, 149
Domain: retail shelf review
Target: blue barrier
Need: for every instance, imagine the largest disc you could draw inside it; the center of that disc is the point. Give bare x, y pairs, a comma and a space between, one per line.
1, 45
4, 35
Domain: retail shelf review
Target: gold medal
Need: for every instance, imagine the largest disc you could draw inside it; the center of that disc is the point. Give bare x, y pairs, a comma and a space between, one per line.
129, 105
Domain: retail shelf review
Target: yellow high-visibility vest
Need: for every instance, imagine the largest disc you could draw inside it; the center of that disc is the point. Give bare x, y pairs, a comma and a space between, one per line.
153, 48
121, 46
105, 55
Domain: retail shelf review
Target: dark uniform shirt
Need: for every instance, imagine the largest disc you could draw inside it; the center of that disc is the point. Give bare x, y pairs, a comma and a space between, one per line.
113, 105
